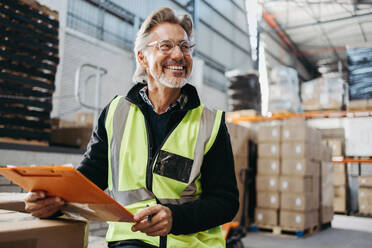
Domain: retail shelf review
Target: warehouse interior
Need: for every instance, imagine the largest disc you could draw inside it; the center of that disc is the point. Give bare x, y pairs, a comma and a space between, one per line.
293, 77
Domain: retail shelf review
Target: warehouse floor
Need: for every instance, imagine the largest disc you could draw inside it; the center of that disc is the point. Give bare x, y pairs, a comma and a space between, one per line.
346, 232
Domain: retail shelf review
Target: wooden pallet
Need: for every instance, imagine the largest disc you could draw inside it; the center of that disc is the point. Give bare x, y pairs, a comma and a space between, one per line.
285, 231
24, 141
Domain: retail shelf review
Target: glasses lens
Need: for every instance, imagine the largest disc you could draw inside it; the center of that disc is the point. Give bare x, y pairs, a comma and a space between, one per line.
185, 46
166, 45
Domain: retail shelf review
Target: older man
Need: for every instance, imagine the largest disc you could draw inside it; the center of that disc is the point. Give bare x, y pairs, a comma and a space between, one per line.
161, 154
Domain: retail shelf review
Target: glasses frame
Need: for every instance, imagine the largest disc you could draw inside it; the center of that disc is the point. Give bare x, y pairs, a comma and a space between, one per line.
157, 45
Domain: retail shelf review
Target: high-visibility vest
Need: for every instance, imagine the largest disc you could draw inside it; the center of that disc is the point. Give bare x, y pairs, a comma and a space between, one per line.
175, 171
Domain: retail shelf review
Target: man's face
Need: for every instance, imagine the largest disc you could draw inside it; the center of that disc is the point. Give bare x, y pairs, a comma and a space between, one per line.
170, 69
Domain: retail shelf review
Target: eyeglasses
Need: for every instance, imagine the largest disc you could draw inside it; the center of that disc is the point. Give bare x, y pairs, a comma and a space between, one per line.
166, 46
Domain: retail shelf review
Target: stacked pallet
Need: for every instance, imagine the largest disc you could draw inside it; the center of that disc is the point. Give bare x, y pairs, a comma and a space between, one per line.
365, 195
294, 180
28, 62
359, 59
300, 179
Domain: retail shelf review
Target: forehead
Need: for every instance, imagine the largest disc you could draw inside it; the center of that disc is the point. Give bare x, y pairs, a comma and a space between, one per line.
168, 31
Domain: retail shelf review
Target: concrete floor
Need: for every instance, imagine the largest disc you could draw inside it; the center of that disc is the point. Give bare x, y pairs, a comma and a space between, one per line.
346, 232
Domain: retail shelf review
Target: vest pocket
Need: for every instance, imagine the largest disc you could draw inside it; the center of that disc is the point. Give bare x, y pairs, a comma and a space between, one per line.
173, 166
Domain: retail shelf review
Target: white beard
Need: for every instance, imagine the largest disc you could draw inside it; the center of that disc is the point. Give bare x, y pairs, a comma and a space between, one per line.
170, 83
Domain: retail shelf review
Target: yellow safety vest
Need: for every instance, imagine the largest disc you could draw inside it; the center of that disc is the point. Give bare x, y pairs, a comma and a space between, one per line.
175, 176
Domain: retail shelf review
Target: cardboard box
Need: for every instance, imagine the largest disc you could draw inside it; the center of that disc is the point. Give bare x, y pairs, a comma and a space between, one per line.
357, 104
71, 136
339, 179
326, 214
339, 204
340, 191
296, 184
84, 119
296, 129
298, 201
269, 134
267, 183
296, 150
267, 217
297, 220
269, 150
365, 200
268, 200
339, 168
365, 209
13, 201
240, 137
20, 230
326, 185
365, 181
299, 167
337, 146
268, 166
365, 193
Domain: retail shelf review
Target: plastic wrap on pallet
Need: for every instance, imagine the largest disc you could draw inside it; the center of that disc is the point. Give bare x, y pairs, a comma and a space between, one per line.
284, 90
360, 72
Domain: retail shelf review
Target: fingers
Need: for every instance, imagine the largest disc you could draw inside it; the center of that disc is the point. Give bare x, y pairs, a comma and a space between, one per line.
33, 196
41, 206
46, 212
160, 224
147, 212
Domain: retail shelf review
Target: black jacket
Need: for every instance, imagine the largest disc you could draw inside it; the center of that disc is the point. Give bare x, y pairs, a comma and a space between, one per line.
219, 201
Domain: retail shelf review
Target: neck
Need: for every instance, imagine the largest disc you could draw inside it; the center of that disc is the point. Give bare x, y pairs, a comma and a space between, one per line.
161, 97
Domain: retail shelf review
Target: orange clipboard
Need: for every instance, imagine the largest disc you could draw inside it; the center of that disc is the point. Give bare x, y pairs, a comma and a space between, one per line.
83, 196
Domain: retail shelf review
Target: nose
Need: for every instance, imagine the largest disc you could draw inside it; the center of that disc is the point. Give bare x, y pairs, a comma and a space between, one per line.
177, 53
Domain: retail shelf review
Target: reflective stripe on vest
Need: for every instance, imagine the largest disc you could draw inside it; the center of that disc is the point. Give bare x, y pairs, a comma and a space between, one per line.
176, 169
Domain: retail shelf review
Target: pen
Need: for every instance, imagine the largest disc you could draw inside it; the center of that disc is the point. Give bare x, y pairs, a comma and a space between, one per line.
149, 217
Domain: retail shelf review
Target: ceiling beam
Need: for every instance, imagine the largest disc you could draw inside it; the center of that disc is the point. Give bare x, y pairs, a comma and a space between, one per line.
324, 33
270, 19
326, 21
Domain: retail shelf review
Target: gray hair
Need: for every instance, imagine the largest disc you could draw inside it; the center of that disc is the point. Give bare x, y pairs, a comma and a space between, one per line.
144, 34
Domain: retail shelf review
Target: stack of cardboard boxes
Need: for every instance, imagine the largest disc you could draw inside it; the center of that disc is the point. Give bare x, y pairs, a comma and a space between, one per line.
335, 139
300, 175
268, 171
240, 137
340, 188
365, 195
293, 166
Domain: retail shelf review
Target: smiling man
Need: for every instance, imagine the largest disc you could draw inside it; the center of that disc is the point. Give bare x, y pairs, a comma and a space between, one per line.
160, 152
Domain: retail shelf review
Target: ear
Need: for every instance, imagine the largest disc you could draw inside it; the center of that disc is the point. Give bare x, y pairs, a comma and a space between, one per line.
142, 59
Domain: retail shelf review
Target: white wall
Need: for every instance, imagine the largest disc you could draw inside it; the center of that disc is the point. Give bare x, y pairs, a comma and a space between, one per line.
80, 49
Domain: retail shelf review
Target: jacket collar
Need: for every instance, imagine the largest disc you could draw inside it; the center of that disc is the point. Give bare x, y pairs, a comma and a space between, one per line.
134, 96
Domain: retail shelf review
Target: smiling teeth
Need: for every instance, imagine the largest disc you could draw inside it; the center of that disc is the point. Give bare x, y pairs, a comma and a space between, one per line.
175, 67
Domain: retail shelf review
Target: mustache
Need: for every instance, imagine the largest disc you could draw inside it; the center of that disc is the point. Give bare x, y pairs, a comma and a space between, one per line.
181, 62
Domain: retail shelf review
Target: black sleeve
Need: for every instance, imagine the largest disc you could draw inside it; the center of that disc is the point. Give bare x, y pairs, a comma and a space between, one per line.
94, 165
219, 201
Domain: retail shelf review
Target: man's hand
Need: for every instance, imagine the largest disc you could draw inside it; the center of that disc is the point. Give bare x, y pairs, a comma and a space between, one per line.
158, 224
41, 206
